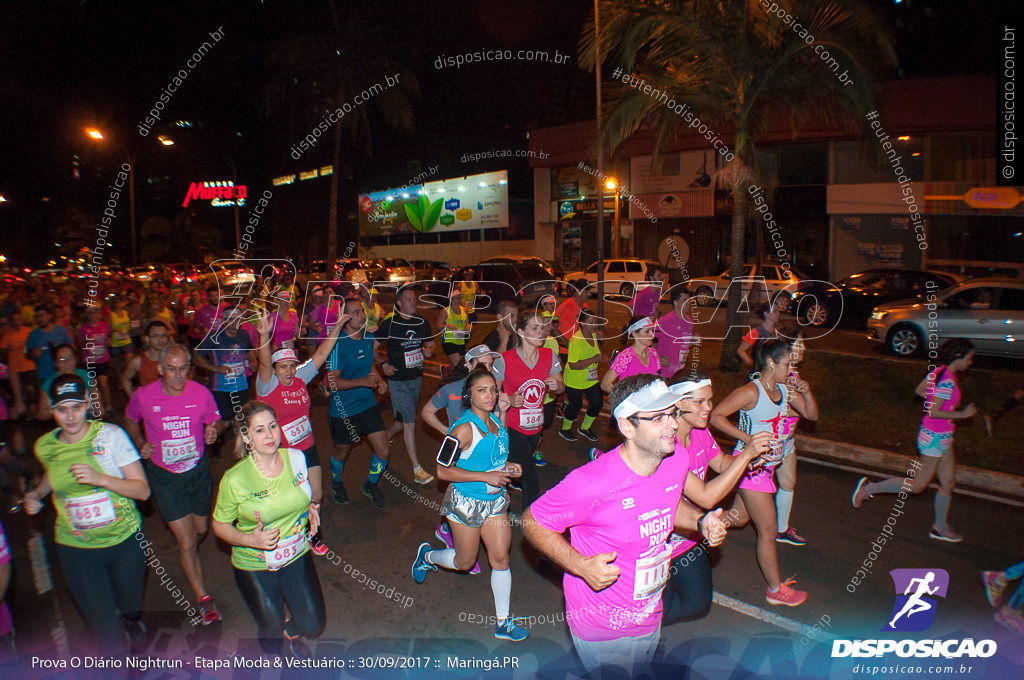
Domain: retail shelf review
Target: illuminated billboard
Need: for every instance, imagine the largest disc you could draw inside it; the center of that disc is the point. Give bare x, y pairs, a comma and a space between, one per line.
456, 204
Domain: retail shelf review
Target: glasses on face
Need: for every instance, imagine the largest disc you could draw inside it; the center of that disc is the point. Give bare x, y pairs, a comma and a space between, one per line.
661, 418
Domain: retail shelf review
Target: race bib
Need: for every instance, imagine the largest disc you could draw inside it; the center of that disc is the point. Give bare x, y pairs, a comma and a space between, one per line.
288, 344
652, 573
531, 418
414, 358
92, 511
135, 323
286, 551
682, 355
297, 430
461, 335
591, 372
236, 369
98, 350
179, 450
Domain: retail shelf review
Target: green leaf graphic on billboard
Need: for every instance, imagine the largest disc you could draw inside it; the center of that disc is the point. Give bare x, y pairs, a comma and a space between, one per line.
423, 214
447, 220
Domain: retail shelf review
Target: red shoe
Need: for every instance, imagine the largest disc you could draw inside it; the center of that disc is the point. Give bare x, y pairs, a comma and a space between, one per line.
208, 610
317, 546
786, 595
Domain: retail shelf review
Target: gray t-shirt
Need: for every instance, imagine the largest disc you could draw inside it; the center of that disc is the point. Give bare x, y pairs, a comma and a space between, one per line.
306, 372
449, 397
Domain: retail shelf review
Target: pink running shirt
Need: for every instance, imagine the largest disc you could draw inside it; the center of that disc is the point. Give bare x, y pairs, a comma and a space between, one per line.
174, 425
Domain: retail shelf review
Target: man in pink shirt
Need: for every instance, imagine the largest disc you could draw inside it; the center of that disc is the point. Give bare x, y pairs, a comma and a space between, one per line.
180, 418
620, 510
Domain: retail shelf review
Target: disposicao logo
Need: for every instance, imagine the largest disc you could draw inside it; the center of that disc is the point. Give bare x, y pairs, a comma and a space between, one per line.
916, 590
913, 611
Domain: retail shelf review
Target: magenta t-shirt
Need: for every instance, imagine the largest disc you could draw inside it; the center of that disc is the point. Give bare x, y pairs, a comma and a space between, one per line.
323, 320
98, 334
285, 330
174, 425
609, 508
674, 336
627, 363
942, 386
702, 450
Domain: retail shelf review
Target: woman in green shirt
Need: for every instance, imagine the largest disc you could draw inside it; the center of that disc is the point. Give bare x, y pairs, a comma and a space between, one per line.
264, 509
94, 472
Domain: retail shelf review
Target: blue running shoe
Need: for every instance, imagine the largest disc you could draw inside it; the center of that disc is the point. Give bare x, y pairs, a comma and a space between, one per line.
420, 567
508, 630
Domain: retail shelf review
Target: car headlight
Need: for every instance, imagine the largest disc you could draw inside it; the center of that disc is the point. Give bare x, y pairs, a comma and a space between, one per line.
878, 316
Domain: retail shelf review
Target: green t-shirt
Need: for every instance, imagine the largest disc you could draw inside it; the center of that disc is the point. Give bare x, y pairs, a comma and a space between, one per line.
579, 349
552, 345
280, 501
89, 516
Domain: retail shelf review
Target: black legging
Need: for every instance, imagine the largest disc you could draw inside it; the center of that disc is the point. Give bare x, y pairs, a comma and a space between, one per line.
687, 595
266, 592
574, 400
520, 450
107, 584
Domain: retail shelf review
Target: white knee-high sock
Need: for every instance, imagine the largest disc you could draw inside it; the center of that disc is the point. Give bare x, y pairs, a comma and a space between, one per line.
442, 558
783, 506
501, 587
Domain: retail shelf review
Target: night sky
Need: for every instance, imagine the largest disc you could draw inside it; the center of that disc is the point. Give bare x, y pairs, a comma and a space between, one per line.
69, 65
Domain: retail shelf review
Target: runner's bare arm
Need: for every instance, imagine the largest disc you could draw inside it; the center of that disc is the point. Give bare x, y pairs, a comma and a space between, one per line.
598, 570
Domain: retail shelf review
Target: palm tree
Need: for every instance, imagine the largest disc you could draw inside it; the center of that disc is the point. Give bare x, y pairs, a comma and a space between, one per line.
731, 64
325, 69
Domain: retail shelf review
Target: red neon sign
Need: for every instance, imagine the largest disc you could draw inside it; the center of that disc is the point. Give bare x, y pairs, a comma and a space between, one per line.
218, 193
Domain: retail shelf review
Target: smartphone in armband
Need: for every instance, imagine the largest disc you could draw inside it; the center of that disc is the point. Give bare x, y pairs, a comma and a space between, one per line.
449, 451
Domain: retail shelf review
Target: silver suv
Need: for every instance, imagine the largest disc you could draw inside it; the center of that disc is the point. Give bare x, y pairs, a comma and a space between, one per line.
988, 312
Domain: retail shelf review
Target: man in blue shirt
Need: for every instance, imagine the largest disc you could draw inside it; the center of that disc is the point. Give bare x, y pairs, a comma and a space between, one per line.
228, 355
42, 342
354, 383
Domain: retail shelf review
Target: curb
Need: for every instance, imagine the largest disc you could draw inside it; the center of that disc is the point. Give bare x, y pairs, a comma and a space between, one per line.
977, 479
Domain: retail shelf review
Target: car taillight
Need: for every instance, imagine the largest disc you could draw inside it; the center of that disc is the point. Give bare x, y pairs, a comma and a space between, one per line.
387, 268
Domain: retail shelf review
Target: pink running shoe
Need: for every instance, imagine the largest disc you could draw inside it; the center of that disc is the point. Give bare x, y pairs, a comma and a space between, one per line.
994, 586
444, 534
786, 595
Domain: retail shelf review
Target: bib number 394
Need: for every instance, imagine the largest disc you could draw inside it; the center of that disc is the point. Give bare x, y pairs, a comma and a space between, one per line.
285, 552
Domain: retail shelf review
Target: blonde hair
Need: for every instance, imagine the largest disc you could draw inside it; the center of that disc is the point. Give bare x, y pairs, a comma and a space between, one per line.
243, 417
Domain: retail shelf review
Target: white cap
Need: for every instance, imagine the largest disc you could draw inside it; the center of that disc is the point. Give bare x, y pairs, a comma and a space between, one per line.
284, 355
479, 351
689, 386
653, 397
646, 322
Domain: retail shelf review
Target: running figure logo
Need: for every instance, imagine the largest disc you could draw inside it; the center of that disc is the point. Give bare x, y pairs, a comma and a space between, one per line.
914, 609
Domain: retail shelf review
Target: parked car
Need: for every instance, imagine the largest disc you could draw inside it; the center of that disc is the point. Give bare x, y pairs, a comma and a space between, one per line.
711, 289
396, 270
849, 302
431, 270
988, 312
620, 275
509, 281
180, 273
352, 270
227, 273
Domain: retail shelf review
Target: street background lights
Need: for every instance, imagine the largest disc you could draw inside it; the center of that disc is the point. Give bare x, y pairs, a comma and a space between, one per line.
98, 136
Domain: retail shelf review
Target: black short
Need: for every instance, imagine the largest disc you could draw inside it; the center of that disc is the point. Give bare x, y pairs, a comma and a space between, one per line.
312, 457
98, 369
450, 348
180, 494
351, 429
228, 402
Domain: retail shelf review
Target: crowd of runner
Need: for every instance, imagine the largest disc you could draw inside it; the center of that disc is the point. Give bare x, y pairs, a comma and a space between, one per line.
207, 373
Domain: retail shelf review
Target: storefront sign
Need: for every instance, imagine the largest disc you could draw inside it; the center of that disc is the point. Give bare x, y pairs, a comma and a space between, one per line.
220, 194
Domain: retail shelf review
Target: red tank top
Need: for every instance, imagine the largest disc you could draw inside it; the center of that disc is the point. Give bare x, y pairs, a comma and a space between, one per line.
529, 419
292, 407
148, 371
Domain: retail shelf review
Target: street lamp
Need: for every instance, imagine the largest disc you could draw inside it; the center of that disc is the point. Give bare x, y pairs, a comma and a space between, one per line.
97, 135
612, 185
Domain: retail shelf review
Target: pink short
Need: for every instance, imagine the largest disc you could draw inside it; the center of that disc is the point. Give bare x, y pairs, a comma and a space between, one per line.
761, 479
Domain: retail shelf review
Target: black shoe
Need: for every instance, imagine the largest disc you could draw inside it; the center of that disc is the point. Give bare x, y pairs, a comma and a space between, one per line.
373, 493
137, 634
340, 495
567, 435
589, 434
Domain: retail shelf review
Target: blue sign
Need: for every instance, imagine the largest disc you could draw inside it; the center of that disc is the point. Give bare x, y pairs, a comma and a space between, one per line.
452, 204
